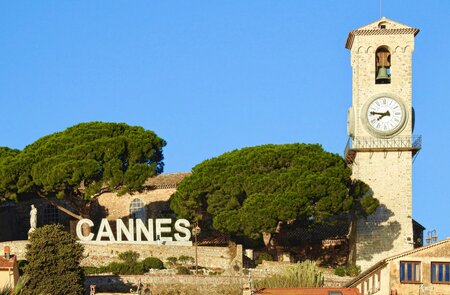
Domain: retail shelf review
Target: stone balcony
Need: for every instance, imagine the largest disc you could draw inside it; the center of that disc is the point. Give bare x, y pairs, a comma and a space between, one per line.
354, 145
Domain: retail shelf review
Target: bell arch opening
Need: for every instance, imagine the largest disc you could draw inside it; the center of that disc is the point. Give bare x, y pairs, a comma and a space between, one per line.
382, 65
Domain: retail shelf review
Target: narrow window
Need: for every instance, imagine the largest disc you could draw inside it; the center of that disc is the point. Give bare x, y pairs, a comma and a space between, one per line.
51, 214
382, 66
410, 272
440, 272
138, 210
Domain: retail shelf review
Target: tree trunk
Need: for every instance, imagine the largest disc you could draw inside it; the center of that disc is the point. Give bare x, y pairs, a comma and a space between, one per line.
351, 237
61, 208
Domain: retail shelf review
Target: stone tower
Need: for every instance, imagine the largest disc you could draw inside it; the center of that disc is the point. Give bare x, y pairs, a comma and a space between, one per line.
380, 124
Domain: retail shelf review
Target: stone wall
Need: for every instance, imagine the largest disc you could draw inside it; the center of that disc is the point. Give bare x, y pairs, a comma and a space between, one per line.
225, 258
388, 173
156, 203
163, 284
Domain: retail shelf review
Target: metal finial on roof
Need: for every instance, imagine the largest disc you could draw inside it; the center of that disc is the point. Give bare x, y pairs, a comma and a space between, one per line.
381, 8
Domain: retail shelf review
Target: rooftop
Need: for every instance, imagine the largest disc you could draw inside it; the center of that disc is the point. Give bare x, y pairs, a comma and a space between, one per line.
7, 263
163, 181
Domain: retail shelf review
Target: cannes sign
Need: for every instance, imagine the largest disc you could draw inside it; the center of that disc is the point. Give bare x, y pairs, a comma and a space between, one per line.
162, 231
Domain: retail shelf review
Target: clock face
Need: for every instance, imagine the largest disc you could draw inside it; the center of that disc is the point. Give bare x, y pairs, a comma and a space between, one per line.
385, 115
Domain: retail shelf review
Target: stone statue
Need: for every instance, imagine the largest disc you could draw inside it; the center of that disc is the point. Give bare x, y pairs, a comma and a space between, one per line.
33, 219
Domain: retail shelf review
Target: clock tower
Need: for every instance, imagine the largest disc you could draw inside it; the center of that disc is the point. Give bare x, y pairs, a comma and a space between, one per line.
382, 147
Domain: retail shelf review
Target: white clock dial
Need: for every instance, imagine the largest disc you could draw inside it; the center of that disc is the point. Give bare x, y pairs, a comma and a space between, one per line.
385, 114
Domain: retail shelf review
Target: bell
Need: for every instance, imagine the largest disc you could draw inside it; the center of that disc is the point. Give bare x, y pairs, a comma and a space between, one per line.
383, 77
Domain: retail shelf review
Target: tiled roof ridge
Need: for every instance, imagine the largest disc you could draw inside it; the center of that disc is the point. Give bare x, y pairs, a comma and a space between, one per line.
165, 181
406, 253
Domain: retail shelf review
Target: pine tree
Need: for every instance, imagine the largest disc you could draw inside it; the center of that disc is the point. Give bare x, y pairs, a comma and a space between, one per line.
54, 262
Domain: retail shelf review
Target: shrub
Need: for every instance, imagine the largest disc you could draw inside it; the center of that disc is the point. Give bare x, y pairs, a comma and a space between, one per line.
129, 256
182, 270
152, 262
172, 261
115, 267
183, 259
301, 275
340, 271
353, 270
263, 256
127, 268
135, 268
21, 264
89, 270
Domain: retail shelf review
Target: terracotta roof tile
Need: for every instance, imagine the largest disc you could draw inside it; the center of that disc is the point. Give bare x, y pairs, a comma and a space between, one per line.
162, 181
7, 263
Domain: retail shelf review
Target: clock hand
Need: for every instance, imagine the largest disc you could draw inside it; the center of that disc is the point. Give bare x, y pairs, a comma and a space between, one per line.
381, 114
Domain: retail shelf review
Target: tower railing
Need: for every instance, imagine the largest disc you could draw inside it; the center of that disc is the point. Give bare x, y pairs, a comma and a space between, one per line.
411, 143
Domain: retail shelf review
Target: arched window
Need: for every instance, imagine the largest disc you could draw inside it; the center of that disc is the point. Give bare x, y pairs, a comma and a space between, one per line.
382, 66
51, 214
382, 25
138, 210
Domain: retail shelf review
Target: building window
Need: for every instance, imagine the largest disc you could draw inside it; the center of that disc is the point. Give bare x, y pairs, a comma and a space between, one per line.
440, 272
138, 210
51, 214
410, 272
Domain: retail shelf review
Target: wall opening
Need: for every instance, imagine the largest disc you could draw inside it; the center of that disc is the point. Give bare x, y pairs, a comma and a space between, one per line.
382, 66
138, 210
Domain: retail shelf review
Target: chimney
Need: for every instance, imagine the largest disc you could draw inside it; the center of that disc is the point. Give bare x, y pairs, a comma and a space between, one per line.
7, 252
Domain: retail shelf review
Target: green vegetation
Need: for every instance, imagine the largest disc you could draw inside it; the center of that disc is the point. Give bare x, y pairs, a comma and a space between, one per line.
301, 275
129, 256
7, 290
152, 263
53, 267
263, 256
351, 270
340, 271
21, 264
182, 270
80, 162
252, 191
128, 266
183, 260
171, 261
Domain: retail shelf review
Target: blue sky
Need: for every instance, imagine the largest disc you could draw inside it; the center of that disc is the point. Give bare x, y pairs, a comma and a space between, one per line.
213, 76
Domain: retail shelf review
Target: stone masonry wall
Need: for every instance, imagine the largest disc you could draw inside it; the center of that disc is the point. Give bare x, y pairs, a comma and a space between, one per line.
178, 284
389, 174
97, 255
439, 253
389, 230
156, 202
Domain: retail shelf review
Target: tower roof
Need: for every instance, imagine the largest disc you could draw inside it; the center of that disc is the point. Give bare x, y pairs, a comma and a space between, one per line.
383, 26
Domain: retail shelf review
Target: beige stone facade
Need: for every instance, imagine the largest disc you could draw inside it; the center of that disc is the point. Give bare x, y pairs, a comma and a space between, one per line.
155, 198
9, 271
393, 276
383, 160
